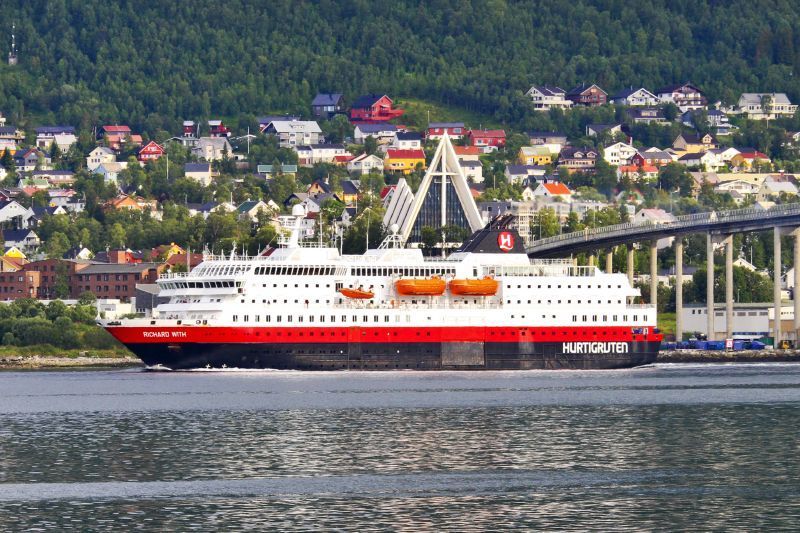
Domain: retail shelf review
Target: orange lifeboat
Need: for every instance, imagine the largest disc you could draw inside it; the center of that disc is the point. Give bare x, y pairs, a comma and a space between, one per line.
420, 287
359, 294
474, 287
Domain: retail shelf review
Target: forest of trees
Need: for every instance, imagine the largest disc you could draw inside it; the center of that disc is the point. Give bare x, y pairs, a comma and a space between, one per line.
152, 64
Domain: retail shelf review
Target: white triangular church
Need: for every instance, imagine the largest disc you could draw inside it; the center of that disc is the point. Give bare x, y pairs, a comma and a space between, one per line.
443, 198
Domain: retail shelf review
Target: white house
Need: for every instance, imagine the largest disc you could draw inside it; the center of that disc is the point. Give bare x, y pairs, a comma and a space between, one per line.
407, 140
656, 216
553, 189
63, 136
618, 153
523, 173
738, 189
293, 133
546, 97
212, 148
382, 133
473, 170
703, 160
761, 106
98, 156
310, 155
635, 97
364, 164
775, 186
200, 172
110, 171
13, 213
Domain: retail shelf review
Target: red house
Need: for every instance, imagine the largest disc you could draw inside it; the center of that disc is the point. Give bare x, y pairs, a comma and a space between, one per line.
373, 108
454, 130
487, 138
217, 129
150, 152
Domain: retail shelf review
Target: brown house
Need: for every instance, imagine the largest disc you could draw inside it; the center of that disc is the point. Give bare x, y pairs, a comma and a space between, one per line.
51, 273
114, 280
588, 95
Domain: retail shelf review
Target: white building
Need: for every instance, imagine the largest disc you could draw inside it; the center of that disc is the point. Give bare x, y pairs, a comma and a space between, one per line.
762, 106
635, 97
546, 97
364, 164
98, 156
313, 154
212, 148
293, 133
618, 153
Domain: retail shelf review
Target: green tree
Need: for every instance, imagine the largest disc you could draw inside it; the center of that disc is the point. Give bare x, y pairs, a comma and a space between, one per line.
547, 223
56, 245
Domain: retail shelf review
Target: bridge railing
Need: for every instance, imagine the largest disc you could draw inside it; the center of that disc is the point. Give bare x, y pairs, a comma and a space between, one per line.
680, 222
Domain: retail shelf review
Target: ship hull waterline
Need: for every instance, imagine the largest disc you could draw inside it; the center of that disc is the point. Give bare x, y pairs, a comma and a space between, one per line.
350, 354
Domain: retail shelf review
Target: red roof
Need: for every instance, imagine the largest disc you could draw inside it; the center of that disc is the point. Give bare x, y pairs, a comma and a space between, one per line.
116, 129
343, 158
637, 168
467, 150
556, 188
754, 155
488, 133
386, 190
405, 154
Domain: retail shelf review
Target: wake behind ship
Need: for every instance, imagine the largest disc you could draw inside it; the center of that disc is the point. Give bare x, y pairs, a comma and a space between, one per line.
304, 306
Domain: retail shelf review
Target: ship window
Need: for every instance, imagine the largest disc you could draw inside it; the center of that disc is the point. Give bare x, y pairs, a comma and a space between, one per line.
614, 318
246, 318
624, 318
375, 318
235, 318
278, 318
267, 318
584, 318
574, 318
605, 318
594, 318
386, 318
300, 318
636, 317
289, 318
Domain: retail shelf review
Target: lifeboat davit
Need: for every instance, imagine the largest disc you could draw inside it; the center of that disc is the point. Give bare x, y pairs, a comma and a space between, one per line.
359, 294
420, 287
474, 287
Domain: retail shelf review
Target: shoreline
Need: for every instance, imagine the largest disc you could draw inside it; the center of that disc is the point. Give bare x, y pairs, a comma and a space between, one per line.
45, 362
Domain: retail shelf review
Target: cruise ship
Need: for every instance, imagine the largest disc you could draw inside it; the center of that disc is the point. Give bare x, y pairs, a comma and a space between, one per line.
306, 306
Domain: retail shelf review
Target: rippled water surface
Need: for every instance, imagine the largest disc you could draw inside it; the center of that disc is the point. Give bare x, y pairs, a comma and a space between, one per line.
664, 447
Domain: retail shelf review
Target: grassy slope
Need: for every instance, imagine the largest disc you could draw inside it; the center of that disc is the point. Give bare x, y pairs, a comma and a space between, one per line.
416, 114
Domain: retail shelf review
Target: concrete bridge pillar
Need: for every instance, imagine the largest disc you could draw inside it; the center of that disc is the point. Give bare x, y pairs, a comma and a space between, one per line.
654, 273
678, 288
710, 286
776, 289
609, 261
591, 260
729, 287
796, 267
630, 263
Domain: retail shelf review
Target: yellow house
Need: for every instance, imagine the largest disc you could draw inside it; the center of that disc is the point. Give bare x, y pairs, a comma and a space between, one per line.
12, 259
693, 144
404, 161
167, 250
14, 252
534, 155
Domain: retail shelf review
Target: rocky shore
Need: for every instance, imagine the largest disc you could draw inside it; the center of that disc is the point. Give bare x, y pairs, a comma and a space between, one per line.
48, 361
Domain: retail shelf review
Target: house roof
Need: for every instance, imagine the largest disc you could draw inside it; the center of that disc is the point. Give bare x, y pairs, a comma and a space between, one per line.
17, 235
322, 185
582, 88
692, 156
348, 187
409, 136
467, 150
522, 169
677, 86
556, 188
495, 134
656, 214
52, 130
295, 126
8, 130
755, 98
599, 128
325, 99
376, 128
624, 93
636, 169
118, 268
197, 167
654, 154
470, 164
571, 151
367, 100
546, 135
696, 138
405, 154
248, 205
550, 90
445, 125
116, 129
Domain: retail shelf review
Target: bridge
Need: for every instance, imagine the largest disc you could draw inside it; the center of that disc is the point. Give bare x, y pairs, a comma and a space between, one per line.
719, 227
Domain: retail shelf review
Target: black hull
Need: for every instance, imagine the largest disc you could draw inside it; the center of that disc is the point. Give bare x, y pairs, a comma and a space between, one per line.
390, 356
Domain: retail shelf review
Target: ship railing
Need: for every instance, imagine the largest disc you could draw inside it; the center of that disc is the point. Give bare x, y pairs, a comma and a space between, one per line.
173, 275
641, 306
540, 270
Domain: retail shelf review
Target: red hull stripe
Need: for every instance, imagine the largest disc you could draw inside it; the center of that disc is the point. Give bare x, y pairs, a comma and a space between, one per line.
370, 334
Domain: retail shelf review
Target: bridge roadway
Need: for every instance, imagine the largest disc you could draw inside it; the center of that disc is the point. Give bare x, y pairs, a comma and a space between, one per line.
719, 226
714, 222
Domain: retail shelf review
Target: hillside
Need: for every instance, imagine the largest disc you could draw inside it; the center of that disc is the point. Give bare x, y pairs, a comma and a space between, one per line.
152, 64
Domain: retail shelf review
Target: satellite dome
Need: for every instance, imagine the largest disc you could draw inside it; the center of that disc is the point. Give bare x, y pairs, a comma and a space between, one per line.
298, 210
394, 228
